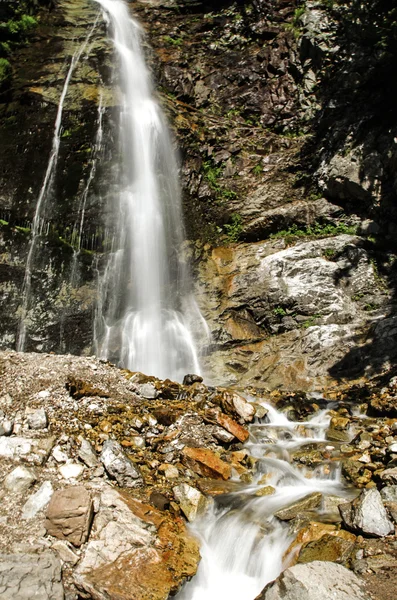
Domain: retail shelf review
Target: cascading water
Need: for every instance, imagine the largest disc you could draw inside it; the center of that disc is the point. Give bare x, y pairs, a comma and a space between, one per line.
145, 308
44, 196
242, 543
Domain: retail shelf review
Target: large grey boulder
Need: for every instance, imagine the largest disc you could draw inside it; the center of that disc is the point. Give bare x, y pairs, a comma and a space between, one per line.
367, 514
27, 576
318, 580
119, 466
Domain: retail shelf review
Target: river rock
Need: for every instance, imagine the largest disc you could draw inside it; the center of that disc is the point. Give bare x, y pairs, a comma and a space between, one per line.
314, 581
206, 463
367, 515
333, 548
135, 551
28, 576
389, 476
19, 480
37, 501
69, 515
36, 418
238, 406
118, 465
309, 502
191, 501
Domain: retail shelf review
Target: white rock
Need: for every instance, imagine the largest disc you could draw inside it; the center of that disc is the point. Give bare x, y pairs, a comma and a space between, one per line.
6, 427
192, 502
37, 501
36, 418
19, 480
314, 581
65, 553
59, 455
87, 454
43, 394
15, 447
71, 470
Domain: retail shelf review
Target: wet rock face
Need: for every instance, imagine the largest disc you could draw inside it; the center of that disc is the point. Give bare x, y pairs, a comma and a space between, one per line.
293, 315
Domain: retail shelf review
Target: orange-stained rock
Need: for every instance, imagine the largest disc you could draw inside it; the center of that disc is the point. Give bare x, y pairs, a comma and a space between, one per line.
136, 552
206, 463
232, 427
311, 532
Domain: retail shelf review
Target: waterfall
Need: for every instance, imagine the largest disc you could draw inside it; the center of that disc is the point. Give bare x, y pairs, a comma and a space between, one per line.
44, 196
145, 306
242, 544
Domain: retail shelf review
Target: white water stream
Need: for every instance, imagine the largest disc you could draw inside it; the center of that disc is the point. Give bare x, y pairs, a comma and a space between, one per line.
146, 307
242, 542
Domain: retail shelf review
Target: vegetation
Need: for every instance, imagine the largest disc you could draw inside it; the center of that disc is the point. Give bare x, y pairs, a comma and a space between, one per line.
15, 25
234, 229
317, 230
173, 41
212, 173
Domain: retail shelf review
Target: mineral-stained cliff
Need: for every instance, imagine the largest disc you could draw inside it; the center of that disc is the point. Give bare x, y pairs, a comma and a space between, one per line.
283, 114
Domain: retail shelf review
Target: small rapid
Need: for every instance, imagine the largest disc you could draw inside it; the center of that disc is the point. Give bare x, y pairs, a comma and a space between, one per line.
243, 543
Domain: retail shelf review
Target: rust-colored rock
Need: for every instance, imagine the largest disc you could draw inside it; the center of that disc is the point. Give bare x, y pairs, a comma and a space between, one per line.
69, 515
146, 562
206, 463
232, 427
311, 532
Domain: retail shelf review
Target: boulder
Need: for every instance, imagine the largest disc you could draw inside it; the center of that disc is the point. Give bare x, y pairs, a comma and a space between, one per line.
19, 480
135, 551
315, 580
191, 501
309, 532
237, 406
206, 463
309, 502
69, 515
28, 576
333, 548
367, 515
118, 465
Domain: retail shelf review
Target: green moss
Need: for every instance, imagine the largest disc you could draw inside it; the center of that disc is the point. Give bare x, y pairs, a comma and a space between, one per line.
173, 41
317, 230
234, 229
279, 311
5, 69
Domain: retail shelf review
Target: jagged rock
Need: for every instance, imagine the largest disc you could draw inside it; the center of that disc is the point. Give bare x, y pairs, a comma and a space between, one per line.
311, 581
59, 455
308, 532
87, 454
29, 450
389, 476
309, 502
37, 501
237, 406
232, 427
36, 418
118, 465
28, 576
333, 548
135, 551
366, 514
206, 463
19, 480
389, 499
69, 515
191, 501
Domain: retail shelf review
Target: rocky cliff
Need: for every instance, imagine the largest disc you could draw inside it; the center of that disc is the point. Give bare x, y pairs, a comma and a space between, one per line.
284, 119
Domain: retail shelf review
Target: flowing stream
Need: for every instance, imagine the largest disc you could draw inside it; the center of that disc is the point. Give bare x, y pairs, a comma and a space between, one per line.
146, 307
242, 543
